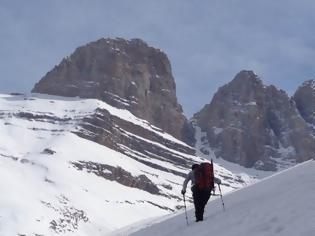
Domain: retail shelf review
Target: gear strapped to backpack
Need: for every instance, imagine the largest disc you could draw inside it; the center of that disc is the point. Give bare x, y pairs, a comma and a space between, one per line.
204, 176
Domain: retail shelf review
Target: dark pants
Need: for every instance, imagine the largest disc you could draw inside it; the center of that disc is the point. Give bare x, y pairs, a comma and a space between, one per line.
201, 197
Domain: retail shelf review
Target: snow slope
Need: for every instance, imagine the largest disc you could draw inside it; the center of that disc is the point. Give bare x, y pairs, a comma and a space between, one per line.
44, 193
281, 205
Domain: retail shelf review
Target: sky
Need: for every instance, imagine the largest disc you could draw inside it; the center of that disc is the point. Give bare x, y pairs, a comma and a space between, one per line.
207, 41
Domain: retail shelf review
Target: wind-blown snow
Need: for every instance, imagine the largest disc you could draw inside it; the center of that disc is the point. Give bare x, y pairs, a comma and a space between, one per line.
281, 205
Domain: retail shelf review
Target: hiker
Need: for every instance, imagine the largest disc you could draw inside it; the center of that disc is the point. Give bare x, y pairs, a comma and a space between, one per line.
202, 181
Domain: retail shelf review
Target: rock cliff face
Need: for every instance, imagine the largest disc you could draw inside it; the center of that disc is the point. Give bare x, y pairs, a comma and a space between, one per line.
255, 125
304, 98
127, 74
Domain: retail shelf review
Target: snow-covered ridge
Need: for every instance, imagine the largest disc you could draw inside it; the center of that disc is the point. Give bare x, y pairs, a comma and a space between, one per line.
62, 107
72, 185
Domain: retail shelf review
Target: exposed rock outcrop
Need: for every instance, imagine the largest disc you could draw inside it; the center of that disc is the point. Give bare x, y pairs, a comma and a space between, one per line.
119, 175
147, 146
304, 98
134, 141
255, 125
127, 74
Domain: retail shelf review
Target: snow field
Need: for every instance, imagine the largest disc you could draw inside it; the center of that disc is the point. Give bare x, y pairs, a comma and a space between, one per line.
281, 205
40, 188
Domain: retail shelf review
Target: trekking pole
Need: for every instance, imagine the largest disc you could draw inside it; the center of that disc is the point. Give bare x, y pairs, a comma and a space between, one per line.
221, 198
185, 209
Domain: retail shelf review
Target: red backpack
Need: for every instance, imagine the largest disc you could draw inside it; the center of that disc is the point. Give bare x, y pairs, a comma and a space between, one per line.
204, 176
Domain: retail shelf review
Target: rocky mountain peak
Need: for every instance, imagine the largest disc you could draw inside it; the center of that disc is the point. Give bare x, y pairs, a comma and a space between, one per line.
244, 88
127, 74
255, 125
248, 77
310, 84
304, 98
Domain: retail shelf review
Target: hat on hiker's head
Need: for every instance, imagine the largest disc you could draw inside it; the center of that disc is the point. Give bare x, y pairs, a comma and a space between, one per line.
194, 166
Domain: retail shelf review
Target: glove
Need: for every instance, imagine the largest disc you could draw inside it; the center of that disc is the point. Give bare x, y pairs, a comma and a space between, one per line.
183, 192
217, 180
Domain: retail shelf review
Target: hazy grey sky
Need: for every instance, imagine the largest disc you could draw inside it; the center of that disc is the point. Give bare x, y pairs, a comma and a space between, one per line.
207, 41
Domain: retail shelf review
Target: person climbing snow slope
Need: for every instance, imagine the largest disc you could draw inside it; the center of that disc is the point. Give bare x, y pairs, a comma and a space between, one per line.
202, 181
